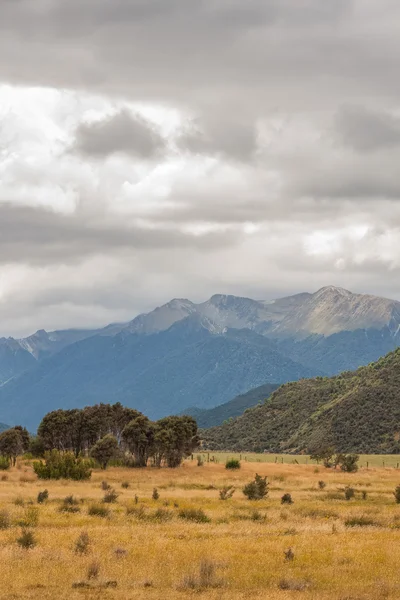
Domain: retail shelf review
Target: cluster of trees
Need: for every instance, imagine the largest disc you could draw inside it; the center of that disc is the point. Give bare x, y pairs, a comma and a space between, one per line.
104, 432
332, 459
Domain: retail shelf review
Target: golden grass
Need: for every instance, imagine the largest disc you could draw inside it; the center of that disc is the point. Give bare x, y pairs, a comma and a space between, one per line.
239, 555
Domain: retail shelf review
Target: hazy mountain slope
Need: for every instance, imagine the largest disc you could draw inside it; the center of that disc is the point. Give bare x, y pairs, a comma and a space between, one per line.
357, 411
190, 363
234, 408
13, 359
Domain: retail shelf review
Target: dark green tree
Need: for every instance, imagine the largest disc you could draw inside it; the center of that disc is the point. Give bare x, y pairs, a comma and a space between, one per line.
104, 450
138, 437
11, 444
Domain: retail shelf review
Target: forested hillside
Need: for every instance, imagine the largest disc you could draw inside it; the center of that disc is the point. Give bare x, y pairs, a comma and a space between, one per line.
356, 411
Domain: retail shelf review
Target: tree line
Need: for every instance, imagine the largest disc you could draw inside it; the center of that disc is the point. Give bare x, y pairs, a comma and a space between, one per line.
106, 432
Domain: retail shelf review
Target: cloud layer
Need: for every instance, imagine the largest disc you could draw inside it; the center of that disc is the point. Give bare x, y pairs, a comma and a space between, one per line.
152, 149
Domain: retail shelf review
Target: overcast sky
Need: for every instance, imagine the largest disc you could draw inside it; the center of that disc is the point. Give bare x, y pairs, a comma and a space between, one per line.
152, 149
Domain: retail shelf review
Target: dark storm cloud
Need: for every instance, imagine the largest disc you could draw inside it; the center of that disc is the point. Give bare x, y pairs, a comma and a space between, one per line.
367, 130
120, 133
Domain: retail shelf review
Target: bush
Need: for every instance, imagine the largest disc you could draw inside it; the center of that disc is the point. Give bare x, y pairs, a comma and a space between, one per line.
27, 540
98, 510
226, 492
396, 494
206, 577
93, 570
70, 504
321, 485
162, 515
5, 521
155, 495
30, 518
348, 462
62, 465
286, 499
82, 543
125, 485
104, 450
4, 463
110, 497
361, 521
194, 514
42, 496
232, 463
349, 493
105, 486
257, 489
200, 461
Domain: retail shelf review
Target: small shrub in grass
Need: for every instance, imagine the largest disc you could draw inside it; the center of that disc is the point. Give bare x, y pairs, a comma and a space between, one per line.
125, 485
62, 465
105, 486
361, 521
70, 505
364, 495
120, 553
200, 461
19, 501
82, 544
295, 585
136, 511
257, 489
205, 578
257, 516
286, 499
110, 497
4, 463
98, 510
27, 540
42, 496
232, 464
349, 493
289, 554
321, 485
226, 492
5, 521
162, 515
397, 494
197, 515
4, 478
155, 495
30, 518
93, 570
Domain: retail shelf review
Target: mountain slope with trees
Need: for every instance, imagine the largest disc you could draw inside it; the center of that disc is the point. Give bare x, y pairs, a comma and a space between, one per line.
233, 408
356, 411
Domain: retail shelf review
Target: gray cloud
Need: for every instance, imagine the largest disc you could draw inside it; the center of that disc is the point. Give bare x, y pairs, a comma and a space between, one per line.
120, 133
366, 130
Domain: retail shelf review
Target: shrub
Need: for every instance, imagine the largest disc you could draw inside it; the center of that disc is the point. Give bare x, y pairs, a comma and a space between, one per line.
105, 486
364, 495
110, 497
4, 478
98, 510
162, 515
396, 494
232, 463
295, 585
62, 465
348, 462
194, 514
19, 501
5, 521
361, 521
286, 499
206, 577
125, 485
200, 461
136, 511
289, 554
4, 463
349, 493
93, 570
226, 492
257, 516
27, 540
42, 496
104, 450
257, 489
70, 505
82, 543
321, 485
155, 495
30, 518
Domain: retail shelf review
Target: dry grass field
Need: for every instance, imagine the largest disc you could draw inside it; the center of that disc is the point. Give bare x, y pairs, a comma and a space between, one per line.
340, 549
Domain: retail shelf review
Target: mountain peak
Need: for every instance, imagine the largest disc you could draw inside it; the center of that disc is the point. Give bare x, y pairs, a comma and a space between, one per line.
332, 290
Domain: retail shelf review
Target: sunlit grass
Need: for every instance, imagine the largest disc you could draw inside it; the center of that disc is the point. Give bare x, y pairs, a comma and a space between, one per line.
144, 548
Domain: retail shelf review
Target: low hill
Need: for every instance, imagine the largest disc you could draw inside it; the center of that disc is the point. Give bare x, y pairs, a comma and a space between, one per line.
233, 408
356, 411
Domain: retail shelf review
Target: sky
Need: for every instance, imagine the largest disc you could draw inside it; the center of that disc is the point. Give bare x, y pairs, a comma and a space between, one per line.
152, 149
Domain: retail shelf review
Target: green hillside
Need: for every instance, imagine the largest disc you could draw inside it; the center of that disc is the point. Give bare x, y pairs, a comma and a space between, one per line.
233, 408
354, 412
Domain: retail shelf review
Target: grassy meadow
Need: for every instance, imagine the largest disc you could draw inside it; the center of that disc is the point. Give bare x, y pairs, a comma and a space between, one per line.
321, 547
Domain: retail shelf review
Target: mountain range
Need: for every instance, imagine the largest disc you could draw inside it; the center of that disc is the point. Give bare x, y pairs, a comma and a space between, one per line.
356, 411
185, 354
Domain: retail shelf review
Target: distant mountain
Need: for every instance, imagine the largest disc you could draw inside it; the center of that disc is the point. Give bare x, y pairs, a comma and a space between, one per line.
357, 411
184, 354
4, 427
192, 362
216, 416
